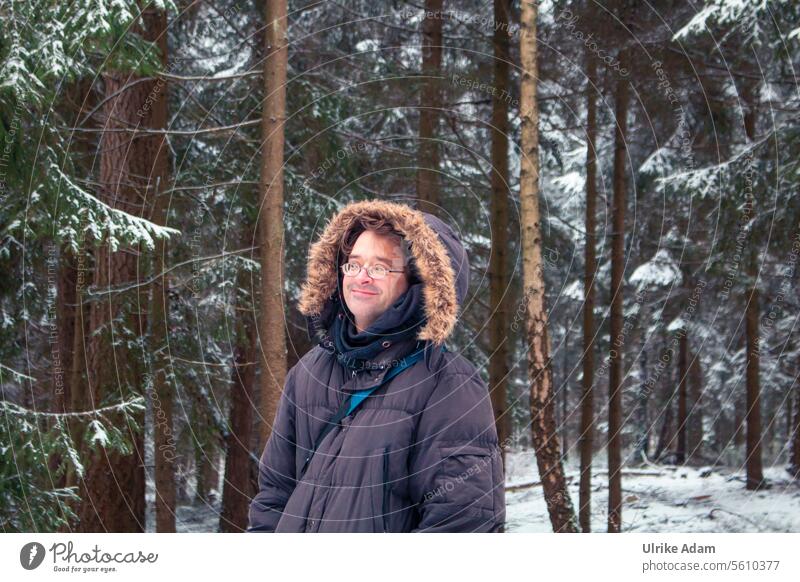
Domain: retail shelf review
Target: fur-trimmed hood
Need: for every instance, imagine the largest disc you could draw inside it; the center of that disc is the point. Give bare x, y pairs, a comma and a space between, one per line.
441, 260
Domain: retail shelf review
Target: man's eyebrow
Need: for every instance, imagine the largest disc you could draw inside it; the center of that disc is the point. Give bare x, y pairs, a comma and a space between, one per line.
381, 259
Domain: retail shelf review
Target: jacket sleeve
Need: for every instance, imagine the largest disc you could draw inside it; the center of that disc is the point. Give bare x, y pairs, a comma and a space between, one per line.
456, 468
276, 469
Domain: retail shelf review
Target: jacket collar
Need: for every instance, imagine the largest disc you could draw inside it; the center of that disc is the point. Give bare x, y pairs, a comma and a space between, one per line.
375, 370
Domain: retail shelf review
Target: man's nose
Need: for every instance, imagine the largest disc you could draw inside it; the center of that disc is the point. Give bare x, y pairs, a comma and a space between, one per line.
363, 277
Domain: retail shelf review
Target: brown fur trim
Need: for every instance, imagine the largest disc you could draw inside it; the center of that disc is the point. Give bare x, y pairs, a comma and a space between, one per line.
433, 263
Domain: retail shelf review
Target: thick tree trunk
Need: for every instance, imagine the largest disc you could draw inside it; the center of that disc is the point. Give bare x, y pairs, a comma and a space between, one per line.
130, 176
113, 489
586, 437
543, 428
498, 266
270, 226
428, 187
616, 316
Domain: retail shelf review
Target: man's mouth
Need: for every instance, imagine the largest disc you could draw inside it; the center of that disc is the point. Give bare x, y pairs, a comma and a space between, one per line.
362, 292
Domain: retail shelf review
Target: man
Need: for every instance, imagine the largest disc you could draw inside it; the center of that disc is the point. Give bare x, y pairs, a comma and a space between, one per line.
418, 453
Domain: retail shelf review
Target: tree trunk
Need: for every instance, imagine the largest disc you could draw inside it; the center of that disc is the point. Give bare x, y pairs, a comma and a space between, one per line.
82, 93
642, 418
499, 281
755, 474
113, 489
428, 188
543, 429
696, 403
616, 315
665, 435
683, 376
155, 151
206, 455
562, 422
164, 443
66, 306
586, 437
794, 464
61, 349
77, 380
738, 421
237, 491
130, 175
270, 227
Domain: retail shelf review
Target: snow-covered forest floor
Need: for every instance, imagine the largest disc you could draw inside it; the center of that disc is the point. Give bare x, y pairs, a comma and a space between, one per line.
656, 499
663, 499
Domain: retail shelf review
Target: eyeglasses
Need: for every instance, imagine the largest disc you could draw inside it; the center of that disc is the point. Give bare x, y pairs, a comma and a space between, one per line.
374, 271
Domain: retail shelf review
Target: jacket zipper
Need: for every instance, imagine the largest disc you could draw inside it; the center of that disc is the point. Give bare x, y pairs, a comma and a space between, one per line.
385, 504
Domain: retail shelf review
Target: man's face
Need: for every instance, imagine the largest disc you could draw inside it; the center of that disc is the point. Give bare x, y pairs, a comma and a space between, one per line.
368, 298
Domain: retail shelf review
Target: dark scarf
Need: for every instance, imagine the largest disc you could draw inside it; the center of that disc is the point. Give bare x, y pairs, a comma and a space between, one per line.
400, 321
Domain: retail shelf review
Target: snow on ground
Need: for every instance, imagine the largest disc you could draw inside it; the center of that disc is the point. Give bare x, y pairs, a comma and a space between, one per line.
190, 518
663, 499
655, 499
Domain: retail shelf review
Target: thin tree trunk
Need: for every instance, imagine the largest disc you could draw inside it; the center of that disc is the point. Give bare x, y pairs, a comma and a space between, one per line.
77, 380
794, 465
565, 405
428, 187
665, 436
586, 437
206, 453
696, 402
270, 227
66, 306
738, 421
616, 315
499, 282
683, 376
642, 416
82, 94
164, 436
755, 474
237, 492
61, 350
543, 428
155, 151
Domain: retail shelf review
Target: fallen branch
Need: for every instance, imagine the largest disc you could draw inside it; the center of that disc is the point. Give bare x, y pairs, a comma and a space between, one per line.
521, 486
635, 473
